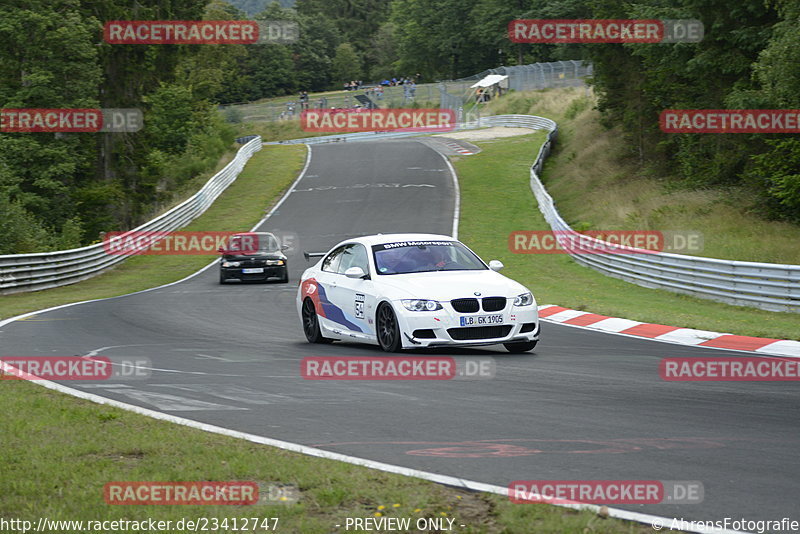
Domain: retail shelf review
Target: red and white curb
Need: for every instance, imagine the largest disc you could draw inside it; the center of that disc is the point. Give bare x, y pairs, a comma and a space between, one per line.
670, 334
460, 149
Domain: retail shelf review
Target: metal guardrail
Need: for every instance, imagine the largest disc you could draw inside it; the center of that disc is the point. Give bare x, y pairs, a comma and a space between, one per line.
769, 286
32, 272
341, 138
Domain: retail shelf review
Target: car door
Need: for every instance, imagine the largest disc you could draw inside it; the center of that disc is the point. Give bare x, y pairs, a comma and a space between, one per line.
355, 297
326, 278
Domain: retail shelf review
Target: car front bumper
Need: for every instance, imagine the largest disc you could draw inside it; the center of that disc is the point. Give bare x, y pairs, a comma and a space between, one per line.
236, 273
520, 324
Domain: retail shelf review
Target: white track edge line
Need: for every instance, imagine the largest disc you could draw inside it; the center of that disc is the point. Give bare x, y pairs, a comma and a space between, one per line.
311, 451
457, 190
288, 191
354, 460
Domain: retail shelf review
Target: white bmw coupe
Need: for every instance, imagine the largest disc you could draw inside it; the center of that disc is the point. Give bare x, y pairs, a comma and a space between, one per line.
405, 291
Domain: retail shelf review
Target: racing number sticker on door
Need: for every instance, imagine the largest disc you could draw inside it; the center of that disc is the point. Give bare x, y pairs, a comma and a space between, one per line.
359, 306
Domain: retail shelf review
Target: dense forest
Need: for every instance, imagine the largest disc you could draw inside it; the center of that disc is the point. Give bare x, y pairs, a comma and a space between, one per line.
62, 190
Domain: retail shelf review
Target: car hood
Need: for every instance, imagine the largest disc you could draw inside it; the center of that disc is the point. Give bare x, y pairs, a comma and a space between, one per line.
448, 285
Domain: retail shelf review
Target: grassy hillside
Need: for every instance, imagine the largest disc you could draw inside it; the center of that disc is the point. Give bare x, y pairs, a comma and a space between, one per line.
596, 188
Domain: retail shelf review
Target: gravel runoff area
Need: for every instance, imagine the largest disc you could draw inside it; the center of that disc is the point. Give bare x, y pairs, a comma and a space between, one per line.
486, 133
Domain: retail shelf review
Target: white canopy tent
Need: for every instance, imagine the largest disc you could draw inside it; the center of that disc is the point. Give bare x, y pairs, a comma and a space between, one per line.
491, 80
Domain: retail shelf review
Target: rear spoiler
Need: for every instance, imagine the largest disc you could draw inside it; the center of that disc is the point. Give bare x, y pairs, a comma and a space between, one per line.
309, 255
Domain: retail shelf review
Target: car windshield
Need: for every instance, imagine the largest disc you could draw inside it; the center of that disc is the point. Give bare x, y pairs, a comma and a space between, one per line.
424, 256
253, 244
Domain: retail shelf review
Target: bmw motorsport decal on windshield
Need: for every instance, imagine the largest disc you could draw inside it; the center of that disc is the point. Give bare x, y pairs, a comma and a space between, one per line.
385, 246
423, 256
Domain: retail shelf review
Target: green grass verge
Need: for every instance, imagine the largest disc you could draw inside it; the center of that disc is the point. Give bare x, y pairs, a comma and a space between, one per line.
59, 452
267, 174
496, 200
598, 185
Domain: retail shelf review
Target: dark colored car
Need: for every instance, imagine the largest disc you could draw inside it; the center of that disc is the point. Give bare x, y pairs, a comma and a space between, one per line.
253, 256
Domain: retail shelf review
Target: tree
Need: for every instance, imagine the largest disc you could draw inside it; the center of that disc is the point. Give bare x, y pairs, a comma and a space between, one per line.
356, 21
58, 186
346, 63
57, 69
382, 55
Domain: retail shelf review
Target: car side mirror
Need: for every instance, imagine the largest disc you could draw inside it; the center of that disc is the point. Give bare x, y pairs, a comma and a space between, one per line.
355, 272
496, 265
285, 247
221, 250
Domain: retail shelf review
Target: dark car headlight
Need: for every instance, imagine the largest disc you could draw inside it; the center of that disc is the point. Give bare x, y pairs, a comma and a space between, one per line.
274, 262
230, 263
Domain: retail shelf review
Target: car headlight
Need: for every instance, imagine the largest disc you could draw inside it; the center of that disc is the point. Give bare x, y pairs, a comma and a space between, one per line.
274, 262
421, 305
230, 263
526, 299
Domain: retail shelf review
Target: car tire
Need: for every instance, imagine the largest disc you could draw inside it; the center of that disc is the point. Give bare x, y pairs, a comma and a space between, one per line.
520, 346
311, 323
387, 329
221, 277
285, 279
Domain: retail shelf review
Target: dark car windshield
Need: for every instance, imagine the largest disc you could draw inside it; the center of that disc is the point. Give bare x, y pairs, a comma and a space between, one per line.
424, 256
252, 244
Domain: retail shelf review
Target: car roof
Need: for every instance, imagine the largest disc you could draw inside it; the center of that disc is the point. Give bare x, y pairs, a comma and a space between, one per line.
379, 239
254, 233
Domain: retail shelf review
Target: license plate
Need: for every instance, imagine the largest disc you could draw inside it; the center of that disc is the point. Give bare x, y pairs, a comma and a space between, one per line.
481, 320
255, 270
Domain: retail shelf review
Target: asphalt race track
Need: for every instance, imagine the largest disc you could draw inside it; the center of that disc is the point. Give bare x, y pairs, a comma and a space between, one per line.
583, 406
